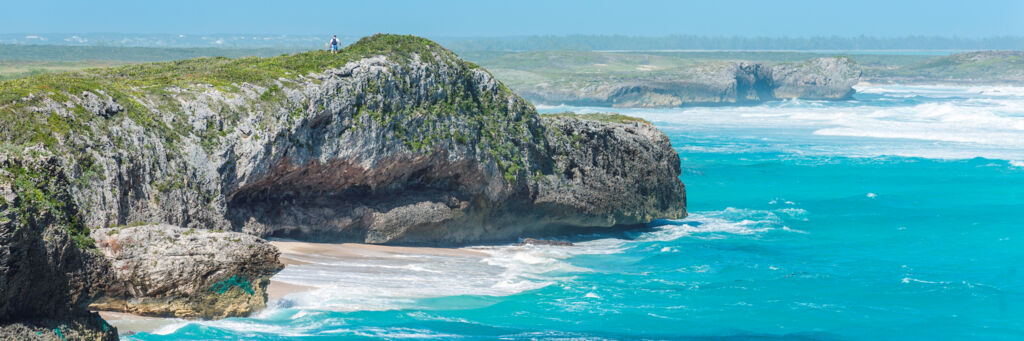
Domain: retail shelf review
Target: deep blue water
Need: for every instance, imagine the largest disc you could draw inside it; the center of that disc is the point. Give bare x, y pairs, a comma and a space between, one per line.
896, 216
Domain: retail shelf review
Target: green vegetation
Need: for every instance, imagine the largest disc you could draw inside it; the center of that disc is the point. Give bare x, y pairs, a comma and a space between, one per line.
601, 117
72, 133
127, 84
127, 54
18, 69
218, 71
555, 72
532, 73
984, 66
419, 125
18, 61
42, 200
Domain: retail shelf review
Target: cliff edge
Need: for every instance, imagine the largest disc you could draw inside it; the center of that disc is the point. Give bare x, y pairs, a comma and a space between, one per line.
393, 140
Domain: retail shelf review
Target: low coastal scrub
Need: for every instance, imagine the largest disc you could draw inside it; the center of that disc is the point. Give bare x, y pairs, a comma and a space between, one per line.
127, 84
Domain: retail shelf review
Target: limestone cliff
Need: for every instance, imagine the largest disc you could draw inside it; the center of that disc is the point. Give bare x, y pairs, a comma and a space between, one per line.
393, 140
821, 78
716, 83
47, 273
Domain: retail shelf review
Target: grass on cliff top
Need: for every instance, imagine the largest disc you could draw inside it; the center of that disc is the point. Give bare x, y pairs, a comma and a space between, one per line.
218, 71
985, 65
128, 83
601, 117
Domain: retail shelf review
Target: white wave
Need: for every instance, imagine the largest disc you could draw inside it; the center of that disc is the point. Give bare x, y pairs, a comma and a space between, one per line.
401, 333
1017, 163
715, 224
906, 280
399, 281
945, 122
941, 91
168, 329
788, 229
396, 281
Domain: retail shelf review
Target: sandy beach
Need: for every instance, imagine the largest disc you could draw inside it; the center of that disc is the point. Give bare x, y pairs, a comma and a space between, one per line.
296, 253
130, 324
291, 249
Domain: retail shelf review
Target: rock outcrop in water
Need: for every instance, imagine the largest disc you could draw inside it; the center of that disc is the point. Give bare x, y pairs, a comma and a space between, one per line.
720, 83
820, 78
164, 270
394, 140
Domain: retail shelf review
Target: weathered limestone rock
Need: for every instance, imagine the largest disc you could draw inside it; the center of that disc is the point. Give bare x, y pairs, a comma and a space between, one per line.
717, 83
85, 326
414, 147
46, 280
163, 270
613, 173
820, 78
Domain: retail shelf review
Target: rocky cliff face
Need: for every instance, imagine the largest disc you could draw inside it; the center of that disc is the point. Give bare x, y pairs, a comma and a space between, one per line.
616, 173
396, 145
720, 83
164, 270
821, 78
393, 140
46, 280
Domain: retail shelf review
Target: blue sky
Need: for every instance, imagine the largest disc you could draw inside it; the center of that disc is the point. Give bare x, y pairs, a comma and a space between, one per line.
973, 18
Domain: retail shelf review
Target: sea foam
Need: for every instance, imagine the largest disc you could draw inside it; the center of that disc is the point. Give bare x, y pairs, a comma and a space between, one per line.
942, 122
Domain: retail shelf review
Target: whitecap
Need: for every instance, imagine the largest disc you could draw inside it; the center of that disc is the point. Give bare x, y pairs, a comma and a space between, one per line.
942, 122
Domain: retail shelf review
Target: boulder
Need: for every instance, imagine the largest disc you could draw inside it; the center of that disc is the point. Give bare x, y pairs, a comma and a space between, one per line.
164, 270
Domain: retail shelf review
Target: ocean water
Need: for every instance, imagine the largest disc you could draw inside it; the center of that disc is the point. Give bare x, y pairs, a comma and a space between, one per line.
891, 217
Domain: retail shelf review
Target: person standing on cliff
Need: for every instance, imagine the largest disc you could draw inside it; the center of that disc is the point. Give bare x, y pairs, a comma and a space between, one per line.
334, 44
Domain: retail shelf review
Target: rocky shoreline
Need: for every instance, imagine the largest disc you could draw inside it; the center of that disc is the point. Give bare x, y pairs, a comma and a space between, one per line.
717, 83
165, 270
148, 189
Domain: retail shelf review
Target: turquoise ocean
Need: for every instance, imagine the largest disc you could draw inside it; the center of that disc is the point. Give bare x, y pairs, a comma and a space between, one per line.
894, 216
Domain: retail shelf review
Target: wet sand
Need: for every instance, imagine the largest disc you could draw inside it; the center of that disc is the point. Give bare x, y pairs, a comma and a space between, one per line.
291, 249
130, 324
292, 253
277, 289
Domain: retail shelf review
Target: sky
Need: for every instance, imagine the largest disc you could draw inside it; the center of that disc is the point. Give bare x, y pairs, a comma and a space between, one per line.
482, 18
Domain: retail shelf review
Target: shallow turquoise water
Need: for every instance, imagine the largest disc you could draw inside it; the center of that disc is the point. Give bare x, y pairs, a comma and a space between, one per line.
896, 216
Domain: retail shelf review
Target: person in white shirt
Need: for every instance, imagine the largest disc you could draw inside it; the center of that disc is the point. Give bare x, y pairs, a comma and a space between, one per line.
334, 44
